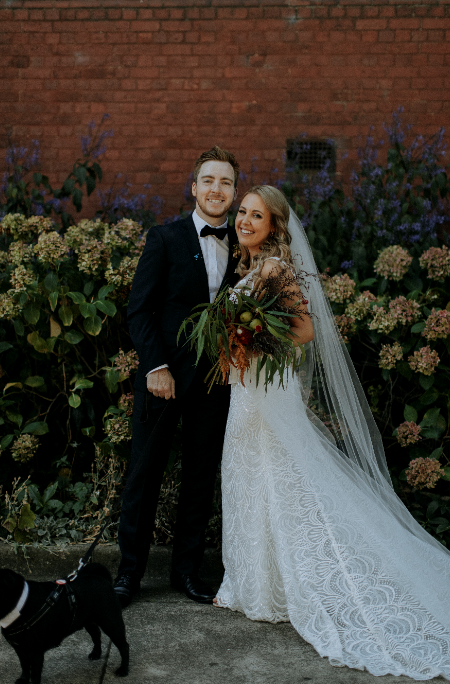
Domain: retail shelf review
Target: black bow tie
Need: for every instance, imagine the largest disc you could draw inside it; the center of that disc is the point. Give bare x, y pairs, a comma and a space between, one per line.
219, 233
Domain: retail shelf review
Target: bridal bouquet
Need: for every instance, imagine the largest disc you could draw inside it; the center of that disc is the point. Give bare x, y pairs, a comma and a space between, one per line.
239, 326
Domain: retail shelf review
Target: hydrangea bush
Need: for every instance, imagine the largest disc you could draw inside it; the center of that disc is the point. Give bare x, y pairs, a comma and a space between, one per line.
396, 326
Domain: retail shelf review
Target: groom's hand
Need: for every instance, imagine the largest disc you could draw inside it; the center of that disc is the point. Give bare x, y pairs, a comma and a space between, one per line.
161, 384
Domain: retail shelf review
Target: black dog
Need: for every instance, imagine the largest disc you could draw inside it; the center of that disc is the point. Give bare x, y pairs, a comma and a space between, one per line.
90, 602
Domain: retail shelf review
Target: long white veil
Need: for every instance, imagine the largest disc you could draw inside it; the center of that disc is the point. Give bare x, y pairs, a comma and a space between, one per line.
327, 387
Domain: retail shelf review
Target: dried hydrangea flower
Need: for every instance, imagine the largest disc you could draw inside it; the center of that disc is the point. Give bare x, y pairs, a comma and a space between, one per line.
424, 472
408, 433
346, 325
93, 255
390, 354
122, 277
340, 288
126, 363
21, 227
383, 321
9, 306
50, 247
85, 231
393, 262
424, 361
437, 261
122, 233
24, 448
406, 311
20, 253
437, 325
118, 429
126, 402
21, 277
362, 305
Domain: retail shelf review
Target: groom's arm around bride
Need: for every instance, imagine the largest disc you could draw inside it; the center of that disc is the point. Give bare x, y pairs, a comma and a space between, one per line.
184, 263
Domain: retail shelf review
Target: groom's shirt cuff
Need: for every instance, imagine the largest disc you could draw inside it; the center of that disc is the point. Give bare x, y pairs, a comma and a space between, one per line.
165, 365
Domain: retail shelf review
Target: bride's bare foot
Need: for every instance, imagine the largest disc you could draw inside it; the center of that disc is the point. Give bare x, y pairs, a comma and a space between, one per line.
215, 601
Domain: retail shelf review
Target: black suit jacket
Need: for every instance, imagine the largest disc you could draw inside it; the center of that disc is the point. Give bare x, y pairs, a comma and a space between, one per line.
170, 280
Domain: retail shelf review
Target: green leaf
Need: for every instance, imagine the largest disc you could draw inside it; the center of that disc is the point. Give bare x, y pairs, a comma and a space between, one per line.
73, 336
93, 325
87, 309
26, 518
4, 346
15, 417
413, 282
418, 327
430, 418
32, 313
429, 397
385, 374
437, 453
51, 282
410, 414
76, 297
74, 400
107, 307
77, 197
98, 170
88, 288
37, 342
104, 291
19, 327
432, 508
83, 383
404, 369
65, 314
34, 381
89, 431
426, 381
49, 492
447, 474
51, 341
368, 282
80, 174
12, 384
111, 379
68, 185
53, 300
6, 441
37, 428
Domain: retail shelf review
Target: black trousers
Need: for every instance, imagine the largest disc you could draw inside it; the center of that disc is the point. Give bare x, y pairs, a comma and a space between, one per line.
204, 418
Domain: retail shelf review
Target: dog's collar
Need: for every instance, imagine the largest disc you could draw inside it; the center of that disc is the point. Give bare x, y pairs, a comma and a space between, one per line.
14, 614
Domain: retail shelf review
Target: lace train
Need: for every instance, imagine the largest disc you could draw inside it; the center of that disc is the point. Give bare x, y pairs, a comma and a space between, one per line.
304, 542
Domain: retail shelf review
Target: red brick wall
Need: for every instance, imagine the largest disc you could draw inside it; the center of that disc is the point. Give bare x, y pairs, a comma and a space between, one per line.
177, 77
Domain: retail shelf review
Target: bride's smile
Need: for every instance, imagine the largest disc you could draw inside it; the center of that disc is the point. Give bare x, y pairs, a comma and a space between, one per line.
253, 223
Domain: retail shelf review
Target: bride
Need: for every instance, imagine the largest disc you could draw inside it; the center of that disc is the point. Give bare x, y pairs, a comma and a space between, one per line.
313, 531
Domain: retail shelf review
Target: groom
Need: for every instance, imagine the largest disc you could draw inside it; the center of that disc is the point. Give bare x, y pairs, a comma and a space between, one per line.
184, 263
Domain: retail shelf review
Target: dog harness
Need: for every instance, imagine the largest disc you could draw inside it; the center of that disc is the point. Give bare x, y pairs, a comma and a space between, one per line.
15, 613
50, 601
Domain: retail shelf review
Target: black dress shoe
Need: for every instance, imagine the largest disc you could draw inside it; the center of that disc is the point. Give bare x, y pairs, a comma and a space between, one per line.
126, 586
193, 587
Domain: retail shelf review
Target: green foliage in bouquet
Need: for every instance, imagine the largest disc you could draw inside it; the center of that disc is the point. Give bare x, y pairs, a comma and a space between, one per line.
230, 330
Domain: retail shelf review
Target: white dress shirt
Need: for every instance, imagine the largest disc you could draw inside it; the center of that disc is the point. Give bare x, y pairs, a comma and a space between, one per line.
215, 256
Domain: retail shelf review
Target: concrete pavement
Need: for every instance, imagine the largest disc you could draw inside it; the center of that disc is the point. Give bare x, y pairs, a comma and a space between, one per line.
176, 641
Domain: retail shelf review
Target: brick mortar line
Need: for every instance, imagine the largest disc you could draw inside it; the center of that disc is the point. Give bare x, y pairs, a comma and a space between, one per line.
211, 4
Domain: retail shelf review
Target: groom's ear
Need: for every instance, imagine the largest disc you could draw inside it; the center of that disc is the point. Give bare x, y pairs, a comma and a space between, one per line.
194, 189
235, 193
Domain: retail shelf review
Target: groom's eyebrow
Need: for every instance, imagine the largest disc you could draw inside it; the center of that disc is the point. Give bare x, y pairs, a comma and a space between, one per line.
208, 175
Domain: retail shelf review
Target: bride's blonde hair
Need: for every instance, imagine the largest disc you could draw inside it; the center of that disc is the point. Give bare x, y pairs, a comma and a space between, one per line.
277, 244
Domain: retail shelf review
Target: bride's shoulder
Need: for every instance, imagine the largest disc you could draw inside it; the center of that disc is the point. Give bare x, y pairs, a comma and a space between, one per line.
272, 265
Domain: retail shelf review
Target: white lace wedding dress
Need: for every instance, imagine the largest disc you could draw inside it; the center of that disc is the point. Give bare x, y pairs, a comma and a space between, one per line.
306, 541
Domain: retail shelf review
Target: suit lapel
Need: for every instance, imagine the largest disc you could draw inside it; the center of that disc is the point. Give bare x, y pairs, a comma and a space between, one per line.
195, 256
232, 260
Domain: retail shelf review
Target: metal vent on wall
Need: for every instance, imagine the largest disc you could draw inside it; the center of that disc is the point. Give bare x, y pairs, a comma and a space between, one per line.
310, 155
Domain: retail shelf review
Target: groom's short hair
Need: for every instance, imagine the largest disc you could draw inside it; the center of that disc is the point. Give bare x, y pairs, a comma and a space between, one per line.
217, 154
